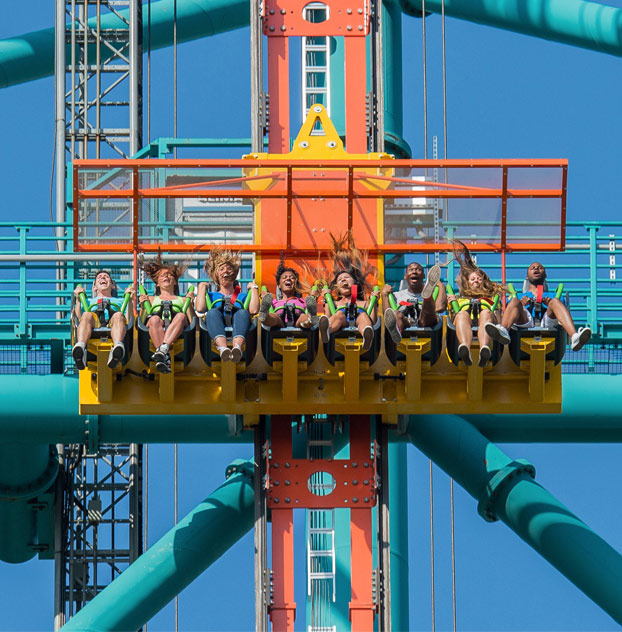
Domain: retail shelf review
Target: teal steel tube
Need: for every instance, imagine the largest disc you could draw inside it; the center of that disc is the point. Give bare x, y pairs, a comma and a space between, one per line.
506, 490
31, 56
593, 419
579, 23
175, 560
398, 526
26, 470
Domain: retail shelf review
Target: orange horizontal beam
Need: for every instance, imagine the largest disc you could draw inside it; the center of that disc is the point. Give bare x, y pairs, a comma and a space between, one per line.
278, 248
166, 193
159, 163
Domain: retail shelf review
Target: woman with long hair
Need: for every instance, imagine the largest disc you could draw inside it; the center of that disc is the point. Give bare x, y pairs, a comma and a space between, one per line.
476, 304
291, 308
347, 291
166, 319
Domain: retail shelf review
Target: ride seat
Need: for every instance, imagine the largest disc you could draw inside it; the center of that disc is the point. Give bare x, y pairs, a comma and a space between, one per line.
352, 332
435, 334
188, 335
209, 355
496, 350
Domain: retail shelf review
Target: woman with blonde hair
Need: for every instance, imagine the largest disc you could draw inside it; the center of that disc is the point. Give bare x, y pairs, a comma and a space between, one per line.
475, 305
227, 303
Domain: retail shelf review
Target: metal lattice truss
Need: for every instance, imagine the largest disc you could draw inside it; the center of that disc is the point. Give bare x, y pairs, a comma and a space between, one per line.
102, 518
100, 97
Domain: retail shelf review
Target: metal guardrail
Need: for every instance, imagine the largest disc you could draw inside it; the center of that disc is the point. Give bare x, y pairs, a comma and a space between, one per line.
36, 281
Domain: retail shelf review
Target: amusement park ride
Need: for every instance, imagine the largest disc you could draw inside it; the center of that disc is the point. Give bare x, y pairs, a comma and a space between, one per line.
345, 401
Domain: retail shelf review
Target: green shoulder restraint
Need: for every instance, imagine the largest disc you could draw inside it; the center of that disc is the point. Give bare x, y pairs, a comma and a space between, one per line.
328, 299
454, 303
186, 304
146, 304
372, 301
83, 302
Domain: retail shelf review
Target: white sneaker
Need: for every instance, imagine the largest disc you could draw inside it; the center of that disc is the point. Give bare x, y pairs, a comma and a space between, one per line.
323, 327
368, 337
580, 338
236, 354
434, 276
225, 354
498, 333
78, 353
116, 355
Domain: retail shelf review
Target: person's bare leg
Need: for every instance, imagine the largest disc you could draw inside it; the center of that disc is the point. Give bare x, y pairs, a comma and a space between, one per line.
272, 320
337, 321
156, 330
514, 313
173, 331
464, 333
118, 327
428, 316
363, 324
485, 316
85, 327
556, 309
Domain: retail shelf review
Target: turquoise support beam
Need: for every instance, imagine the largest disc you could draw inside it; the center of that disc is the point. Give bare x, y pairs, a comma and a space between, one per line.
31, 56
26, 472
594, 419
505, 490
579, 23
175, 560
398, 521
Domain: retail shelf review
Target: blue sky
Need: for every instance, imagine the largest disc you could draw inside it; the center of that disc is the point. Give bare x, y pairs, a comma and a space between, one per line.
508, 96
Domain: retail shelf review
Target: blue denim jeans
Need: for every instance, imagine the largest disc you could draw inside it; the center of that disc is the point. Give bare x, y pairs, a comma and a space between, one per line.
215, 322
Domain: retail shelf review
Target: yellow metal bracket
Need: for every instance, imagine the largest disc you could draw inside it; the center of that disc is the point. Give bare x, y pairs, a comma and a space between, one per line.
413, 349
351, 348
290, 349
537, 349
101, 349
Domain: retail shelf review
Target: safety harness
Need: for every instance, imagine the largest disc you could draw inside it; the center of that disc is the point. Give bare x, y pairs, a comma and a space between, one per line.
536, 305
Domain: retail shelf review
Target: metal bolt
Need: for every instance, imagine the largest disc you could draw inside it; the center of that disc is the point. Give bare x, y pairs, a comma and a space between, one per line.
366, 499
275, 465
283, 27
287, 500
355, 482
271, 11
366, 481
359, 27
349, 28
283, 11
276, 483
287, 464
365, 464
349, 11
360, 11
355, 500
272, 28
355, 464
275, 500
287, 483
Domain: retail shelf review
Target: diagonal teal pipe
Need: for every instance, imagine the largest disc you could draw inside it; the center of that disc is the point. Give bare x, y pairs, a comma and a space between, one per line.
175, 560
579, 23
506, 491
31, 56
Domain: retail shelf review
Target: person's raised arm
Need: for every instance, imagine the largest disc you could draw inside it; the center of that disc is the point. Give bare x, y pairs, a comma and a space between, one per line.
200, 303
253, 305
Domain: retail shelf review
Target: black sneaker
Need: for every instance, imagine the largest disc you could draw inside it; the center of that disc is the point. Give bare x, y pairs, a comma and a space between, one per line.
116, 355
78, 353
484, 356
312, 310
368, 337
163, 364
464, 353
264, 307
390, 322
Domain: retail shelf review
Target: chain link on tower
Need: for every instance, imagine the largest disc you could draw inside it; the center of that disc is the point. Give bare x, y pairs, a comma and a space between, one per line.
98, 69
